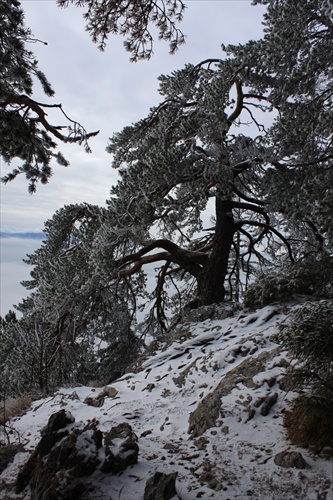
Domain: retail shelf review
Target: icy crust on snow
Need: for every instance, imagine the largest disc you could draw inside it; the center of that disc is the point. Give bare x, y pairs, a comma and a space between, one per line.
234, 458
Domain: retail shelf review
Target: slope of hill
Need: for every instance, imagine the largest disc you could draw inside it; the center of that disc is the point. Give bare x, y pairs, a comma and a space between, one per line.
208, 404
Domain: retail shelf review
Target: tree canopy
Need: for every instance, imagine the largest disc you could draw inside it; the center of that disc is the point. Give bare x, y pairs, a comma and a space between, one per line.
247, 137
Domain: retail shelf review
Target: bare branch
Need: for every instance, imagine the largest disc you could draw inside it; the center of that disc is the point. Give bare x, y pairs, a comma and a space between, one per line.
191, 261
206, 61
248, 198
240, 224
239, 104
253, 208
26, 102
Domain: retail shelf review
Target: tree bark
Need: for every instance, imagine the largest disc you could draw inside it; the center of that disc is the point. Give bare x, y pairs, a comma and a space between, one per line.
211, 279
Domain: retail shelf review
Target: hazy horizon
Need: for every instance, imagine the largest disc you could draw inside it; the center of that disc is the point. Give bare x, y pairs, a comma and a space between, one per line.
13, 270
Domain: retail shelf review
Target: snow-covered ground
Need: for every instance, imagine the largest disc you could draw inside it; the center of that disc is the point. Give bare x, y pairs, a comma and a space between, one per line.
233, 360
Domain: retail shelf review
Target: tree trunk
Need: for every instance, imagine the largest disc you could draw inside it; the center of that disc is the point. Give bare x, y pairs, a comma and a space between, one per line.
211, 280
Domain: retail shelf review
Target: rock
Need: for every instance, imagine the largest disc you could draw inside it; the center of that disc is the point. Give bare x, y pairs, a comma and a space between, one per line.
290, 460
121, 449
209, 409
65, 457
55, 470
94, 401
201, 442
108, 392
58, 421
216, 311
145, 433
98, 401
7, 454
250, 414
161, 486
63, 485
51, 434
271, 381
200, 314
282, 363
149, 387
258, 402
268, 404
181, 379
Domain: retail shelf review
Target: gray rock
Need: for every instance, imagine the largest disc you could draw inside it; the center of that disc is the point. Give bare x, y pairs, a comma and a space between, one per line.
59, 461
216, 311
121, 449
64, 458
200, 314
209, 409
58, 421
268, 404
161, 486
291, 460
97, 402
108, 392
51, 434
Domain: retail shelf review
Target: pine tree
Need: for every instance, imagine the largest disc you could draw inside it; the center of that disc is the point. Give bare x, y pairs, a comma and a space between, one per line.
270, 188
292, 67
75, 325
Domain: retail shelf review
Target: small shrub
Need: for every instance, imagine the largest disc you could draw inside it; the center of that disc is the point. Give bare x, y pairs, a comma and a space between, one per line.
309, 425
308, 336
313, 278
14, 406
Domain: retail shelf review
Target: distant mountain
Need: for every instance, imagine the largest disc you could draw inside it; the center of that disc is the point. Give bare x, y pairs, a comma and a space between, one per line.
34, 236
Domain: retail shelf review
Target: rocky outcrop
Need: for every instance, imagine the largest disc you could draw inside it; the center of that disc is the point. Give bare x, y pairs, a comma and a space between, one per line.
214, 311
66, 455
161, 487
209, 409
51, 434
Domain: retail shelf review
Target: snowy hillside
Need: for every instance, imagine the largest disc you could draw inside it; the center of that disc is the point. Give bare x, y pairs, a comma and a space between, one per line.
207, 405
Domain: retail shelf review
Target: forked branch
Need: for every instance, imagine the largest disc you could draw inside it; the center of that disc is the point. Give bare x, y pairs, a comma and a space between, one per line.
77, 131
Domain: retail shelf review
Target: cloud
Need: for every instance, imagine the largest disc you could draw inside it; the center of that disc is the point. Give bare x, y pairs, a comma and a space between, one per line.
24, 236
14, 270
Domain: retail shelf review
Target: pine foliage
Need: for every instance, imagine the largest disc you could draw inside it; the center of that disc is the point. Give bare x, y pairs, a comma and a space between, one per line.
308, 336
75, 326
312, 278
133, 19
26, 135
292, 67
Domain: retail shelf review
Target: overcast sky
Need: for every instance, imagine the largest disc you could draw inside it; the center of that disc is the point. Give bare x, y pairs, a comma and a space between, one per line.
103, 91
